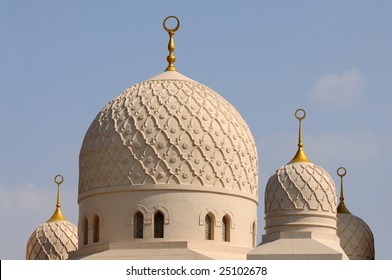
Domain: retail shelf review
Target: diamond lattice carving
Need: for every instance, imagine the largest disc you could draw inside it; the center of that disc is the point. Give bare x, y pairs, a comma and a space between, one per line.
356, 238
300, 186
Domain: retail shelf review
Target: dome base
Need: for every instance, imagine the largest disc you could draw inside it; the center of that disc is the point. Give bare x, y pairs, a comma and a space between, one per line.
175, 250
298, 246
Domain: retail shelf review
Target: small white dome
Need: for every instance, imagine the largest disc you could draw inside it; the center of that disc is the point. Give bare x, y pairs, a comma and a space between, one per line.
300, 211
52, 240
356, 238
302, 190
300, 186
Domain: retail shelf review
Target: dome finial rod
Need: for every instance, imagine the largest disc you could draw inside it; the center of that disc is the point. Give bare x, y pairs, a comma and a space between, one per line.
300, 156
342, 207
58, 215
171, 58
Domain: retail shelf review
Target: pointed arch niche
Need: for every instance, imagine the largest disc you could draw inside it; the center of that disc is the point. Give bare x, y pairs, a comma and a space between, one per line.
85, 230
138, 225
161, 218
226, 224
159, 224
97, 223
138, 217
207, 218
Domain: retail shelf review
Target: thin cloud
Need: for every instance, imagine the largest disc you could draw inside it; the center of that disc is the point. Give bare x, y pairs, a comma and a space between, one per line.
25, 196
339, 91
358, 147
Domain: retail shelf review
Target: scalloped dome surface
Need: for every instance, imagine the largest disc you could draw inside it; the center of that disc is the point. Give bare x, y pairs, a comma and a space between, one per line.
169, 130
52, 241
300, 186
356, 238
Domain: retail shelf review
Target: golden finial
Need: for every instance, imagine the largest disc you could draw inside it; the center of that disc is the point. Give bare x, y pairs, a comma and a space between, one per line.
58, 215
171, 58
342, 207
300, 155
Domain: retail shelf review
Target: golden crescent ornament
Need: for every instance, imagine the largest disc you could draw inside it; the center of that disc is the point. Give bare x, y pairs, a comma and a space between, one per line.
58, 181
298, 116
341, 171
173, 29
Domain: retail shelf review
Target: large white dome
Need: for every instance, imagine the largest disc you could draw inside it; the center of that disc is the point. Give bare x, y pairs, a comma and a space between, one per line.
172, 147
170, 164
169, 130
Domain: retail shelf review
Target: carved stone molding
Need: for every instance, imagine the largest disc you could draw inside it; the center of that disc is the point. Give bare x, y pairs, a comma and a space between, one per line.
164, 211
203, 214
147, 216
228, 213
148, 213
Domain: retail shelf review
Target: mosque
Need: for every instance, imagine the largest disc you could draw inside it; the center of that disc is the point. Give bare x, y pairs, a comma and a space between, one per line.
169, 170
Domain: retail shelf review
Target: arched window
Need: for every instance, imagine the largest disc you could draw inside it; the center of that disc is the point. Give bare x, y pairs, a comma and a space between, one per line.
209, 227
254, 234
96, 229
85, 231
225, 229
138, 222
158, 224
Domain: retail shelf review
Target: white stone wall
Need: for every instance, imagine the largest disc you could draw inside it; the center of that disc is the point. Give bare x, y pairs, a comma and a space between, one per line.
184, 212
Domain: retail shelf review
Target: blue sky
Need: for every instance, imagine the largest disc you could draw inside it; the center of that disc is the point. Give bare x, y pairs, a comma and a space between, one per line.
62, 61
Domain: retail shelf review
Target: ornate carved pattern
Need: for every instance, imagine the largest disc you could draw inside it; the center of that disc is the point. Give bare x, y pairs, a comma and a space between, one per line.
300, 186
356, 238
164, 211
148, 214
52, 241
169, 132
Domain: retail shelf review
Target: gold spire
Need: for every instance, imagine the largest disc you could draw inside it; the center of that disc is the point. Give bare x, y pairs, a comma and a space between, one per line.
58, 215
171, 58
300, 156
342, 207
